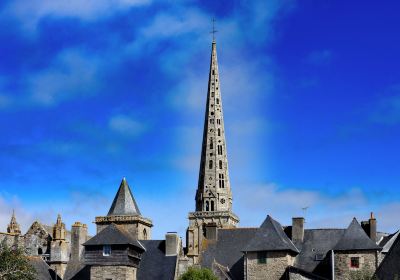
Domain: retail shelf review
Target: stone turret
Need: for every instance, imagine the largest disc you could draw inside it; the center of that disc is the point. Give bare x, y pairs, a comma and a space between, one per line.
124, 211
13, 227
214, 195
59, 248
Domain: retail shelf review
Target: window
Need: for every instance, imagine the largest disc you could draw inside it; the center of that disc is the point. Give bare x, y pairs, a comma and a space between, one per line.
212, 205
40, 251
218, 121
212, 94
211, 144
106, 250
211, 121
219, 132
262, 257
210, 164
355, 262
213, 72
217, 100
144, 234
220, 149
220, 164
207, 206
221, 180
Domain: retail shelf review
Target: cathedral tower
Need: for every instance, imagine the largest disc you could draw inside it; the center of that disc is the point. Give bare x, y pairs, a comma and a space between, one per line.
59, 248
213, 196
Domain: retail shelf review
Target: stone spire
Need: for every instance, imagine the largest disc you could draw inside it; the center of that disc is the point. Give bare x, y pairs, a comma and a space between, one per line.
214, 190
124, 203
59, 229
213, 196
13, 227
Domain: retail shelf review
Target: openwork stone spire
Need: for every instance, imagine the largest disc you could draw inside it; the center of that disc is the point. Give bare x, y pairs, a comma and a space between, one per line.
214, 190
13, 227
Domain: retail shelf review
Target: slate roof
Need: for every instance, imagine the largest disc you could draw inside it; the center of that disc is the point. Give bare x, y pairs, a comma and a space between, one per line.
113, 235
389, 242
43, 270
355, 238
227, 250
124, 202
389, 267
316, 241
270, 237
154, 264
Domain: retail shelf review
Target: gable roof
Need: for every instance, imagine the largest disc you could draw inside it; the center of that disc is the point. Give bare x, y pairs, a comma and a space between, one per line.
154, 264
124, 203
43, 270
389, 242
227, 250
355, 238
113, 235
270, 237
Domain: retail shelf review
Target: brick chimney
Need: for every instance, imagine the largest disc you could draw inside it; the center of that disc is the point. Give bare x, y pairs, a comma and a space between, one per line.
297, 229
370, 227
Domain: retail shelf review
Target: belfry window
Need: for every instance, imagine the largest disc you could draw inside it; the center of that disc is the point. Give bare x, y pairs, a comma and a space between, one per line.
220, 149
219, 132
210, 164
144, 234
220, 164
106, 250
207, 206
218, 121
212, 205
221, 181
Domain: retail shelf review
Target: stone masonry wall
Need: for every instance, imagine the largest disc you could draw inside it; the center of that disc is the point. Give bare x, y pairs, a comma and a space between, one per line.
112, 273
343, 271
273, 269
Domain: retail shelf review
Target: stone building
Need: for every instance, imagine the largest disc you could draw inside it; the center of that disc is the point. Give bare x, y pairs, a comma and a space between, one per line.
122, 248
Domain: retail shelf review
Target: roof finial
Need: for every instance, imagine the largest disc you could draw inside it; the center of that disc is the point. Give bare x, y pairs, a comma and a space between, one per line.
213, 29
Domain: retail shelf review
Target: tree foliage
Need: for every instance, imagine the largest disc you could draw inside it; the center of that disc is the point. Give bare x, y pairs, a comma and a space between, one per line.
14, 265
198, 274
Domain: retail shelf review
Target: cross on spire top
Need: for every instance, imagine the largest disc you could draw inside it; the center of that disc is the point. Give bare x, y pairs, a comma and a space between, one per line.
213, 31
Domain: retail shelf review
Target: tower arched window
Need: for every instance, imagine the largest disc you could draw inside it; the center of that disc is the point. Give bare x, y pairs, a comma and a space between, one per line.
220, 164
210, 164
219, 132
144, 234
212, 205
221, 180
207, 205
220, 149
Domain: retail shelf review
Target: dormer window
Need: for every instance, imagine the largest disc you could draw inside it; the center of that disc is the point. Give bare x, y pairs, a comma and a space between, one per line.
106, 250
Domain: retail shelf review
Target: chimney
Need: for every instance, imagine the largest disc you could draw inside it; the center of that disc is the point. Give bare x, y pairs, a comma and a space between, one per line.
370, 227
298, 229
78, 237
172, 243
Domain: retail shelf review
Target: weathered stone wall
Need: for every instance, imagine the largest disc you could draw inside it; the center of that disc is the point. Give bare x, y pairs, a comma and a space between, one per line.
78, 237
273, 269
59, 268
112, 272
343, 270
296, 276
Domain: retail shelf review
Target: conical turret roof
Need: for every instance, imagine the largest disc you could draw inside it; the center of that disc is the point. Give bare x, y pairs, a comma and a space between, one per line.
355, 238
124, 203
270, 237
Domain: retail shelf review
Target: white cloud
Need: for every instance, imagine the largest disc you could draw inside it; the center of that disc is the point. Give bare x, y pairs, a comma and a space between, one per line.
29, 13
72, 73
126, 125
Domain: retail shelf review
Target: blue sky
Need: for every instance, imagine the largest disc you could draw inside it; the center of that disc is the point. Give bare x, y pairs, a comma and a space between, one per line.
93, 91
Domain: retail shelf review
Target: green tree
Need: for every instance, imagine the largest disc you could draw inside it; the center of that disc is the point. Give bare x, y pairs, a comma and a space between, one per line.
14, 265
198, 274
